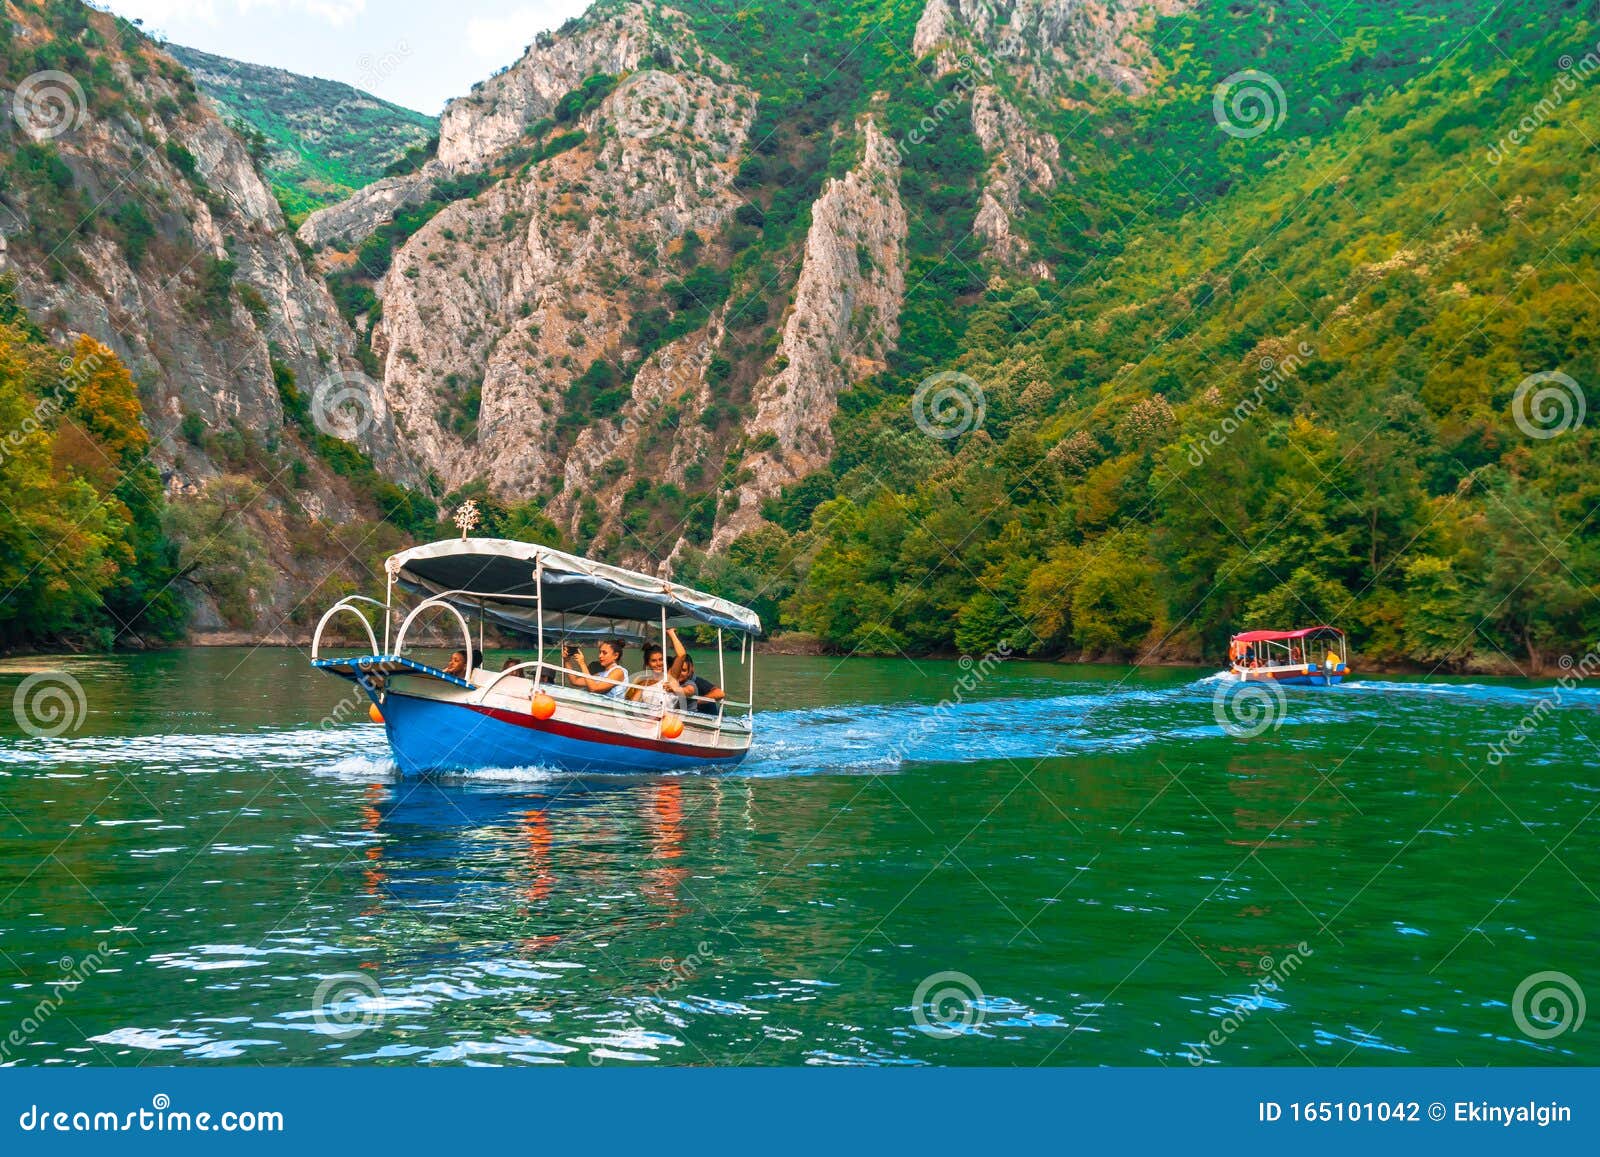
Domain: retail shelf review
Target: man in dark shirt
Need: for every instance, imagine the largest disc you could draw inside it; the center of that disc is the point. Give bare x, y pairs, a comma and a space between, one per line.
705, 693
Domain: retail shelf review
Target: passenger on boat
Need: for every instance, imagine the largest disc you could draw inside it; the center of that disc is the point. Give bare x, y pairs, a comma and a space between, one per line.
702, 691
460, 665
654, 685
612, 678
511, 661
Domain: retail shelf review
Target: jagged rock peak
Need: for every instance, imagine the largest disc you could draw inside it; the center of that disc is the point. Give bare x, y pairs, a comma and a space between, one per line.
609, 38
502, 301
1044, 42
844, 324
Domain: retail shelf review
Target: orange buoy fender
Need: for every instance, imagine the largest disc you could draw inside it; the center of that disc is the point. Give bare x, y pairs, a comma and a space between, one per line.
543, 706
374, 714
671, 726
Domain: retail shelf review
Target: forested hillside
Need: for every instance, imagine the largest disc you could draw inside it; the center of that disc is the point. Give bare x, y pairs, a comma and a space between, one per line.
80, 501
316, 140
1092, 330
1276, 382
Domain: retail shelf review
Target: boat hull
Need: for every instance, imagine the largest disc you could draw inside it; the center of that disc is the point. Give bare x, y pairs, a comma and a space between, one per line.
433, 735
1292, 677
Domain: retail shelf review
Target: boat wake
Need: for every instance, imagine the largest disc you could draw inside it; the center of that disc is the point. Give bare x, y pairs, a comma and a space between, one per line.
850, 739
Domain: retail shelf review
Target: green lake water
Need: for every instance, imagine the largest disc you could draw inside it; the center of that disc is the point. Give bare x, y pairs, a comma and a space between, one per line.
926, 863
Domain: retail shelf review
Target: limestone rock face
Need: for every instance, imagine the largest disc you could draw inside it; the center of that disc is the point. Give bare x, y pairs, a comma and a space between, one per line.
217, 290
1043, 42
517, 292
611, 38
1020, 158
844, 323
354, 219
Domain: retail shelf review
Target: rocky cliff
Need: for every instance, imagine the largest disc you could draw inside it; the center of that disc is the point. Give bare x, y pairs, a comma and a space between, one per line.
844, 322
132, 214
610, 189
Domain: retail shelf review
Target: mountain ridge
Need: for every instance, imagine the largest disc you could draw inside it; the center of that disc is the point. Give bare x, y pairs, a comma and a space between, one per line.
320, 140
1077, 329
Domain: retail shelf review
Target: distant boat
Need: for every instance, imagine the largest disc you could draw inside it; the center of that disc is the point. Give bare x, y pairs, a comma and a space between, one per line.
1309, 657
536, 713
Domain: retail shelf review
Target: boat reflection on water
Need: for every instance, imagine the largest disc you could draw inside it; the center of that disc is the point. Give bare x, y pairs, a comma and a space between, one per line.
536, 869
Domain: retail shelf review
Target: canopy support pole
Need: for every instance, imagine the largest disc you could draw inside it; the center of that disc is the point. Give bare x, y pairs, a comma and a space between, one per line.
388, 613
722, 681
538, 603
751, 710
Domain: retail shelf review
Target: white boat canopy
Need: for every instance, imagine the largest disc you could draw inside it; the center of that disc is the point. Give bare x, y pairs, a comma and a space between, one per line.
500, 579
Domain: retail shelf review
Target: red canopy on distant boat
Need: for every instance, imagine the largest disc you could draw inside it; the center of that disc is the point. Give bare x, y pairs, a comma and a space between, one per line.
1278, 636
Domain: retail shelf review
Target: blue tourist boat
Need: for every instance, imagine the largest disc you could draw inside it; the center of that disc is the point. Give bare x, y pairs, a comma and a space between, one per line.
1309, 657
541, 712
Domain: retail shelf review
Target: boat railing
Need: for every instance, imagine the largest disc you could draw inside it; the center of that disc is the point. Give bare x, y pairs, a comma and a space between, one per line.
429, 604
348, 603
556, 682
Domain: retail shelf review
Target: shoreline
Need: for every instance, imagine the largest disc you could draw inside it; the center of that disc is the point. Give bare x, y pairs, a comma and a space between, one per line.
791, 645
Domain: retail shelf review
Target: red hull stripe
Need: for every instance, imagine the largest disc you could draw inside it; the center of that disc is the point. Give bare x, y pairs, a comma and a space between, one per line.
595, 735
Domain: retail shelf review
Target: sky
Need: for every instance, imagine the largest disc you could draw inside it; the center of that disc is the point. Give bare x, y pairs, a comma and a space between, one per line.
417, 53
